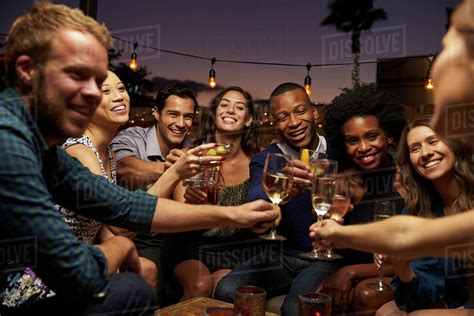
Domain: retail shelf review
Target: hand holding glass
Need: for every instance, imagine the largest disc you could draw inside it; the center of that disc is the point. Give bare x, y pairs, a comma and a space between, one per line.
277, 180
322, 194
340, 205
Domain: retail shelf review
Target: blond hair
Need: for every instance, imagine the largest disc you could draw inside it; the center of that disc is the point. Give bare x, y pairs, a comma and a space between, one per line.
462, 20
33, 34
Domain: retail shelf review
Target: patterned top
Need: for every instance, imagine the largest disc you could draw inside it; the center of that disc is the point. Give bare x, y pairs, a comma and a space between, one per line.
86, 229
32, 176
229, 195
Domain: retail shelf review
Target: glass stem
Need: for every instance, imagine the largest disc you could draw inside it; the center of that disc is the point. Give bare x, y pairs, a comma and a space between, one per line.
316, 249
381, 274
273, 229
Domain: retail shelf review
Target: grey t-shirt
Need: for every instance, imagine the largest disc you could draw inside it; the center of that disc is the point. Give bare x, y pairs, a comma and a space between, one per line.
137, 142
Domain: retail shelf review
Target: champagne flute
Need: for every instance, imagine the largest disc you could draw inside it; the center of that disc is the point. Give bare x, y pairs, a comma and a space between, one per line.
277, 180
382, 210
340, 205
322, 194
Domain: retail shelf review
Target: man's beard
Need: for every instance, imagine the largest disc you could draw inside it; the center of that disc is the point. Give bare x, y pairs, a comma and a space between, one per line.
46, 113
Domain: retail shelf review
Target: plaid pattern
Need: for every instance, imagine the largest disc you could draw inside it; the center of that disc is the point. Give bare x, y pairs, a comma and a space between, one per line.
31, 178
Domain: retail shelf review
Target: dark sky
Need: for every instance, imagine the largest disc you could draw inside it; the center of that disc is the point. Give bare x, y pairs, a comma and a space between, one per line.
282, 31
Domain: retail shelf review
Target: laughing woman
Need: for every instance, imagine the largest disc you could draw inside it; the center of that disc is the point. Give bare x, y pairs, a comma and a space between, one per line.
438, 175
363, 124
196, 259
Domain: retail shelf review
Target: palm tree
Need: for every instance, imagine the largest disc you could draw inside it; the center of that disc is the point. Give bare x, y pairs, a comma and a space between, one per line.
354, 16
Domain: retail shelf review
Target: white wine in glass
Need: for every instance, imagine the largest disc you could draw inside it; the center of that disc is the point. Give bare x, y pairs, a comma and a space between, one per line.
277, 186
322, 195
277, 180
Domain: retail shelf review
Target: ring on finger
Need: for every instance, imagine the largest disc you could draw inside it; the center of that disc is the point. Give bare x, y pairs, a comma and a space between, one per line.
200, 160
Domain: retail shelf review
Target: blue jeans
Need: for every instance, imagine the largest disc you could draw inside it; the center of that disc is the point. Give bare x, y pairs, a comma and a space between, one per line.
290, 275
128, 294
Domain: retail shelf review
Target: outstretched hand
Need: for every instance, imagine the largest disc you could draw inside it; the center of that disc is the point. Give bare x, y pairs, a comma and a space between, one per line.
302, 177
188, 163
326, 230
262, 227
252, 213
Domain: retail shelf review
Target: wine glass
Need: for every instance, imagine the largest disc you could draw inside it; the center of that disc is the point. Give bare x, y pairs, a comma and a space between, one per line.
322, 194
340, 205
277, 180
382, 210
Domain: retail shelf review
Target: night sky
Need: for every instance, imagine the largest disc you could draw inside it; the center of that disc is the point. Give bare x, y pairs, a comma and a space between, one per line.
280, 31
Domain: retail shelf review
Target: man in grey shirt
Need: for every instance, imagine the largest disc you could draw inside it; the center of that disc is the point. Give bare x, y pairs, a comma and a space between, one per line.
141, 153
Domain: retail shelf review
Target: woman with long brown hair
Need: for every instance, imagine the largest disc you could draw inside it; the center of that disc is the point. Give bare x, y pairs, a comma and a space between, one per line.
196, 259
438, 176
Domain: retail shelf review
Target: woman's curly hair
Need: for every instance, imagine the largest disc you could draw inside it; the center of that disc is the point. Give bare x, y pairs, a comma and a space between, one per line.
360, 101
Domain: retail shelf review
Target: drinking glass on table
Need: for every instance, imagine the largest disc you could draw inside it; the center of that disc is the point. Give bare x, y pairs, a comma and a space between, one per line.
322, 195
250, 300
382, 210
314, 303
277, 180
340, 205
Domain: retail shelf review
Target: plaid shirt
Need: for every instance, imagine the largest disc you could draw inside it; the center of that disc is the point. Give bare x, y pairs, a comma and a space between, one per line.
33, 233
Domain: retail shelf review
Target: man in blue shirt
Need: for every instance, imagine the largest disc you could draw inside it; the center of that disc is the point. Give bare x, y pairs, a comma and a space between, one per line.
287, 271
56, 62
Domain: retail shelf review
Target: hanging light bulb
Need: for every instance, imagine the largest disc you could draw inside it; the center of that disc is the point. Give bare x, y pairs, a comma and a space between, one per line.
429, 85
307, 80
133, 59
429, 82
212, 74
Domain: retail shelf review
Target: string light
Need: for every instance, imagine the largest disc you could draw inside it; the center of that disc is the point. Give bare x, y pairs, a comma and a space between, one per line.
212, 74
429, 83
307, 80
133, 59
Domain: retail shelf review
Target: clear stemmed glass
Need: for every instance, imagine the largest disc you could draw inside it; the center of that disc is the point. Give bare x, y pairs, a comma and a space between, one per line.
322, 194
340, 205
277, 180
382, 210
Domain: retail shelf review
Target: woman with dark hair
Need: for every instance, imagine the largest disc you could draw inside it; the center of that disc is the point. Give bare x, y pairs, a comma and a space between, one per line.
438, 176
410, 236
219, 131
199, 260
362, 124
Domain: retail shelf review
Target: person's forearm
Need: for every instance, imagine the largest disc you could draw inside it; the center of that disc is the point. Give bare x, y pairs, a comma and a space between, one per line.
165, 185
172, 216
367, 270
116, 250
411, 237
388, 237
134, 173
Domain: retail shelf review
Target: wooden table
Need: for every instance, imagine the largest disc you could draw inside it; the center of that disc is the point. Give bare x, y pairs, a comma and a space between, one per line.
194, 306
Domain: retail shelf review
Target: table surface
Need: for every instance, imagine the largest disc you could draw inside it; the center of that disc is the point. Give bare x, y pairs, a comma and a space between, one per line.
194, 306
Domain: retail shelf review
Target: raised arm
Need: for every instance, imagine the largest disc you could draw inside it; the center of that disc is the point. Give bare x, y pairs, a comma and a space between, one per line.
134, 168
134, 173
405, 236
